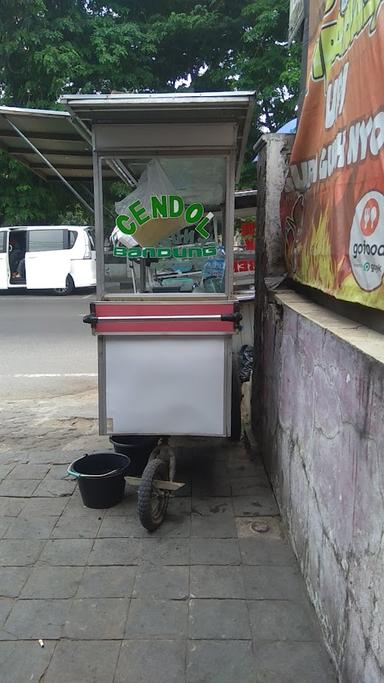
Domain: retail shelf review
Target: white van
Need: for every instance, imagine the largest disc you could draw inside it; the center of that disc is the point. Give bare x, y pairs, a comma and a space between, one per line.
58, 257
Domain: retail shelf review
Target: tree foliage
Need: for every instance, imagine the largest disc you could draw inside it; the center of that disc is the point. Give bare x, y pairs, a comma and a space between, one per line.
50, 47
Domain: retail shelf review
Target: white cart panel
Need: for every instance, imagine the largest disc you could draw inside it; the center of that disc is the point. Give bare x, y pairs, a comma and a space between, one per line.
166, 385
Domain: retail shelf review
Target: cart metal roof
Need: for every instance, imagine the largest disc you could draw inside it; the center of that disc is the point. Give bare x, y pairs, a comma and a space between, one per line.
172, 108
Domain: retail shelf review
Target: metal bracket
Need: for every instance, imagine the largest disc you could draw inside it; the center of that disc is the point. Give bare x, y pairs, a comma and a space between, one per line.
162, 485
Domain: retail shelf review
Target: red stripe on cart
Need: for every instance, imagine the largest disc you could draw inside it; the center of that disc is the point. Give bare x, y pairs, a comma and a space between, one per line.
144, 309
163, 326
194, 325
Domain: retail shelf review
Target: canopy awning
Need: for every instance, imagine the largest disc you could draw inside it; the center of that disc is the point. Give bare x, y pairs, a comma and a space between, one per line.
57, 145
30, 134
53, 145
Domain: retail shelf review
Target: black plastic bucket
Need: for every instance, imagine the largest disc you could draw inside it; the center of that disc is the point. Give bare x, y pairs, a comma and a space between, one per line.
137, 448
101, 478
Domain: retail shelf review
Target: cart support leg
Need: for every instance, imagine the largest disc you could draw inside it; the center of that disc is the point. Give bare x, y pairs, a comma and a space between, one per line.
166, 453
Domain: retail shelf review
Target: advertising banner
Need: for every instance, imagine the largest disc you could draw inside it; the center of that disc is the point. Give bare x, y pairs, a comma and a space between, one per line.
333, 202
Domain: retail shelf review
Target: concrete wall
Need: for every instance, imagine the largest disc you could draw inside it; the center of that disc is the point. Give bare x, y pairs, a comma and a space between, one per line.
273, 151
323, 442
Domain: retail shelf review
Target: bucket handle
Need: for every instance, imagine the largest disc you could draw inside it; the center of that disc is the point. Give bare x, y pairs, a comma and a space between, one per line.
78, 475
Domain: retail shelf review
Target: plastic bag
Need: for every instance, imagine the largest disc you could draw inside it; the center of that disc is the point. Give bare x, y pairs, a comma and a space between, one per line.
153, 182
246, 363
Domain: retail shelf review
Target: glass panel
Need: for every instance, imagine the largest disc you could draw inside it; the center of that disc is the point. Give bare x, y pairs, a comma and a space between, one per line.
72, 237
166, 235
244, 249
91, 235
3, 242
47, 240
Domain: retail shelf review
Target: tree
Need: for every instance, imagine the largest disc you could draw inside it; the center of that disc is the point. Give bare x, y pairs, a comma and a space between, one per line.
53, 46
50, 47
266, 64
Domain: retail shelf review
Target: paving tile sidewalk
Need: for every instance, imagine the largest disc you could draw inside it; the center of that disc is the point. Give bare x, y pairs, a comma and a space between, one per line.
214, 596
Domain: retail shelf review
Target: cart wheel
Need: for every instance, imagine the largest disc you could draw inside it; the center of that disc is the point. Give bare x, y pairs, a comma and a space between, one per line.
152, 503
235, 402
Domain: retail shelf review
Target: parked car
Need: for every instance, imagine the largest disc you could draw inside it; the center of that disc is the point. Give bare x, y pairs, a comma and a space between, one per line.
58, 257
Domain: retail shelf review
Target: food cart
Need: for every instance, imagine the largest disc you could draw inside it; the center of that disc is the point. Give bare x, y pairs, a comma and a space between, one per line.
166, 314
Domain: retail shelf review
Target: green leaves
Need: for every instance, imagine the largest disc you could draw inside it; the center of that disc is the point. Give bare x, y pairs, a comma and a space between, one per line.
53, 46
27, 200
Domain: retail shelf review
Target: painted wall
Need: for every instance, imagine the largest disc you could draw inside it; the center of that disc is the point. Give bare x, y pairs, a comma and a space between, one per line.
323, 442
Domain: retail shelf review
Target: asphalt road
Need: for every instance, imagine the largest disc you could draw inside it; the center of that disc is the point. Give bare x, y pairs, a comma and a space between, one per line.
45, 349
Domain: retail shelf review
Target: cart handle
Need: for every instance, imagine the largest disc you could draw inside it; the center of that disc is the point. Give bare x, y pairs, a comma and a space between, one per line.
231, 317
90, 319
235, 318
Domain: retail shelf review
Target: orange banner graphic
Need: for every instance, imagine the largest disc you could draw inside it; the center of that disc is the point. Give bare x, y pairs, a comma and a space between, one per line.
333, 202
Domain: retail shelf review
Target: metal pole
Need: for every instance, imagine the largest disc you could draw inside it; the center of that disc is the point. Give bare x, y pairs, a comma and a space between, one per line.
99, 225
304, 58
123, 172
90, 195
142, 275
66, 183
229, 221
261, 302
82, 130
114, 164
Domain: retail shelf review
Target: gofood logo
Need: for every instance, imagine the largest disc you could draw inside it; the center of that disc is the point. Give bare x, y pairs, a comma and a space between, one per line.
366, 246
